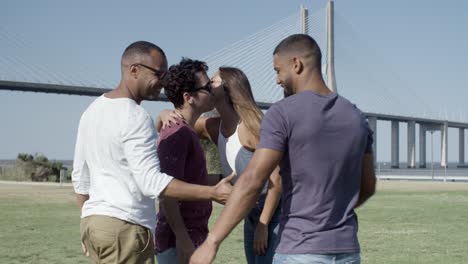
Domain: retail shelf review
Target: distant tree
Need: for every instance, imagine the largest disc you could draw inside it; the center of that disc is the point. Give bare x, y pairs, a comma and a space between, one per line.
24, 157
41, 158
38, 167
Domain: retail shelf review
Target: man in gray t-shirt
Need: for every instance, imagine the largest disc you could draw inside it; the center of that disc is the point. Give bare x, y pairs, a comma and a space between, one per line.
323, 138
323, 145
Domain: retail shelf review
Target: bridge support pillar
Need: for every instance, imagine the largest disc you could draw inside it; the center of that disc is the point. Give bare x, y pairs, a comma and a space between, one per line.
411, 144
395, 144
461, 148
331, 79
422, 146
304, 19
373, 126
444, 145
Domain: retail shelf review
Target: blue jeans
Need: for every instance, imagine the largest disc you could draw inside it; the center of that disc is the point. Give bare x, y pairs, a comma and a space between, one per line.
250, 224
351, 258
168, 256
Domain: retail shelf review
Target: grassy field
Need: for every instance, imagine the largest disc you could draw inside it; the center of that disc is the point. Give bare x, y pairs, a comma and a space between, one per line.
406, 222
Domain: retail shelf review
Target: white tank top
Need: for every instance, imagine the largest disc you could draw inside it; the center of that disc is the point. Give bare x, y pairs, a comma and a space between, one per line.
233, 156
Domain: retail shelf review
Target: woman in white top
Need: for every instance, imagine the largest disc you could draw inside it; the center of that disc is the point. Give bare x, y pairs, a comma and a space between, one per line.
236, 132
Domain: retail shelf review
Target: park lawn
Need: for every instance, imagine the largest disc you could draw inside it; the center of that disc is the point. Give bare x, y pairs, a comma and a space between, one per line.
406, 222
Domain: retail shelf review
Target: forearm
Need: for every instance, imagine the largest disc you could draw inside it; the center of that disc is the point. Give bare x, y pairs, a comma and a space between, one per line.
187, 192
363, 197
174, 218
81, 199
368, 180
272, 199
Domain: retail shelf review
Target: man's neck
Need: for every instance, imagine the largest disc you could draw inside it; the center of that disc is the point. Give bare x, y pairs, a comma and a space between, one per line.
122, 91
190, 116
314, 83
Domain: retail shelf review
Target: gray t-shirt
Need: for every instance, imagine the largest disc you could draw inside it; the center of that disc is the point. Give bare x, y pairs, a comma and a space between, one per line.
323, 139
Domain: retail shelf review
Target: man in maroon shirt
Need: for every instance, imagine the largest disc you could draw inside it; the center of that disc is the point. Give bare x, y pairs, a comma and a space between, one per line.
183, 226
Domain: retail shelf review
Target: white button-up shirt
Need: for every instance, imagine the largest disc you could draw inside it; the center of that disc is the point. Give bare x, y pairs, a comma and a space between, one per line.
116, 162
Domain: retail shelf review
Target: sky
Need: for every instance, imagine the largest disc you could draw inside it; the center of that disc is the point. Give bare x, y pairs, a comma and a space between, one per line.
410, 49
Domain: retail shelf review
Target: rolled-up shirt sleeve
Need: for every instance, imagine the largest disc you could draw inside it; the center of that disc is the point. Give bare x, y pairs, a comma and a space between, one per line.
80, 174
139, 142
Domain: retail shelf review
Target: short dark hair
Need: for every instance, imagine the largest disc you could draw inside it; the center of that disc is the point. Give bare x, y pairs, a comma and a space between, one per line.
141, 48
303, 44
182, 79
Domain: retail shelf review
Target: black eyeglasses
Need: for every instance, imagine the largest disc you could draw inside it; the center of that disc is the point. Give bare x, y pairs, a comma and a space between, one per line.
162, 75
206, 87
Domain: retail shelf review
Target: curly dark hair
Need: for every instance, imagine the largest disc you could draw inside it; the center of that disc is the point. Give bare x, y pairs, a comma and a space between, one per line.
182, 79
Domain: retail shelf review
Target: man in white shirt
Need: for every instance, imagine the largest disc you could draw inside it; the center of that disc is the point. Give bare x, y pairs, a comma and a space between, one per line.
116, 173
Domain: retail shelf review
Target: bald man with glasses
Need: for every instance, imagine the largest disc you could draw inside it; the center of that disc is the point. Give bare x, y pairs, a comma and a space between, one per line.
116, 170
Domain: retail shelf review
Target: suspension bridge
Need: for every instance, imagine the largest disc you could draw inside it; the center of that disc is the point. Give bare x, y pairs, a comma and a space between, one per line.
253, 54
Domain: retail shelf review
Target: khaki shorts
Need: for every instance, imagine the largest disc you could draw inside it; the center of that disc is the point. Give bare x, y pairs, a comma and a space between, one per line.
111, 240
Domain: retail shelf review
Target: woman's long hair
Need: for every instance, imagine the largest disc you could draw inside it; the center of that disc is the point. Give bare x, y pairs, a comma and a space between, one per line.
237, 88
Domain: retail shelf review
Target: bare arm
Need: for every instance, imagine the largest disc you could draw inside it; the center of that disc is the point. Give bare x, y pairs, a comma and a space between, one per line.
272, 199
174, 218
184, 245
166, 117
190, 192
208, 128
205, 127
81, 199
244, 195
368, 180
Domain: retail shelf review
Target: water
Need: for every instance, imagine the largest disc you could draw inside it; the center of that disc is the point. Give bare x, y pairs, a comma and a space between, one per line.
382, 170
451, 173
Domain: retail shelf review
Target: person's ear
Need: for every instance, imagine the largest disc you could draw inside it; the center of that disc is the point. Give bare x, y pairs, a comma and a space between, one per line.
298, 65
188, 98
134, 71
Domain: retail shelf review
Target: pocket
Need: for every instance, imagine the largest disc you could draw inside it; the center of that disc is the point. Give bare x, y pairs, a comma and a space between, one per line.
102, 238
143, 240
353, 259
102, 230
281, 259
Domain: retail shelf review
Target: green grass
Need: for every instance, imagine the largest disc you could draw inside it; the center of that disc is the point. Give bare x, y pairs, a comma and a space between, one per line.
404, 223
415, 227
